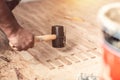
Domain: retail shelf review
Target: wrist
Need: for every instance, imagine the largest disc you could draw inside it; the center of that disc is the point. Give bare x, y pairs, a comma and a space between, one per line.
10, 29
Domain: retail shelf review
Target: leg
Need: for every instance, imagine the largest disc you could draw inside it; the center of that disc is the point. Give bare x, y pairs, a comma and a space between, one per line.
12, 3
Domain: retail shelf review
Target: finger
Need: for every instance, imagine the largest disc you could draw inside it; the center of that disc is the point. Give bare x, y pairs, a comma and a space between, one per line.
19, 47
29, 44
16, 48
12, 46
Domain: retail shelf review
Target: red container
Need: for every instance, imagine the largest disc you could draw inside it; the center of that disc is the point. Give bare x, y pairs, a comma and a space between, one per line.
112, 63
111, 32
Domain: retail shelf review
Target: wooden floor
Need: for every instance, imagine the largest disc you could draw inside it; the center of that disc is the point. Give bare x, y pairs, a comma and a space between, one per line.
82, 52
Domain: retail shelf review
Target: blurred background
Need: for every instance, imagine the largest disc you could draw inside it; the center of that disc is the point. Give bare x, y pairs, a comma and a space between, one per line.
83, 52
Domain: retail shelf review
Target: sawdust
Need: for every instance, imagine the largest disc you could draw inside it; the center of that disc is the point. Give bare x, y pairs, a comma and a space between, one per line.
14, 67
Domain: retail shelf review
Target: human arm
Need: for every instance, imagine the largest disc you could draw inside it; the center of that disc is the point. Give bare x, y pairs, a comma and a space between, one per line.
19, 37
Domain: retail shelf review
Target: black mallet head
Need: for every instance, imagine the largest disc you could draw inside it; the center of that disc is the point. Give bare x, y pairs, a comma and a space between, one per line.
60, 40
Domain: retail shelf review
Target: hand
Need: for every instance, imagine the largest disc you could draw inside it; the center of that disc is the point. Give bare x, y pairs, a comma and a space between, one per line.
21, 40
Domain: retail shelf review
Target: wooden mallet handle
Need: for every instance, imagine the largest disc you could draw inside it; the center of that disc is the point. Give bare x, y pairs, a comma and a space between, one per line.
45, 38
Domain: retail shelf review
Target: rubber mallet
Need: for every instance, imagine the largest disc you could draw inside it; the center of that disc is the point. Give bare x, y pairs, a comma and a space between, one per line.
58, 37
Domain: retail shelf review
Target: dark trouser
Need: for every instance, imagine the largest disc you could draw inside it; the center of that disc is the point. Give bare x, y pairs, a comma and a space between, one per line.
12, 3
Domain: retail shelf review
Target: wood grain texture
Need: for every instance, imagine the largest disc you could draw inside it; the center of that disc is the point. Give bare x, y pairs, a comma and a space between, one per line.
82, 52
